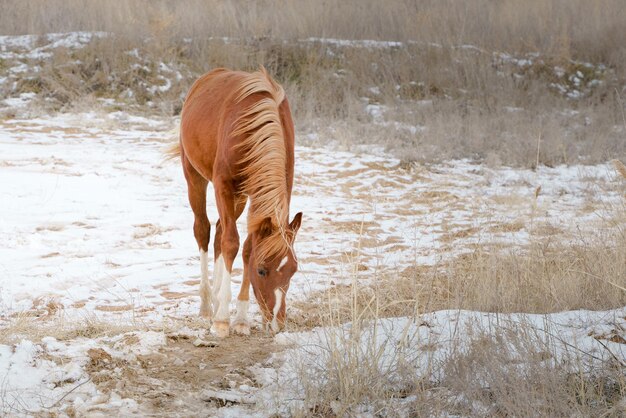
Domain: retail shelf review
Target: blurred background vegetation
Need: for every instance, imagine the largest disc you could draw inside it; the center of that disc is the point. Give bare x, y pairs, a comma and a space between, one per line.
500, 81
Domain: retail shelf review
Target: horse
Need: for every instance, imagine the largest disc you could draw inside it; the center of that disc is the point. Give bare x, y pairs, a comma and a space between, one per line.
236, 131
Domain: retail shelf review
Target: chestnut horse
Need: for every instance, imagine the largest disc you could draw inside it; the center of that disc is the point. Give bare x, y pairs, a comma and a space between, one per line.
237, 132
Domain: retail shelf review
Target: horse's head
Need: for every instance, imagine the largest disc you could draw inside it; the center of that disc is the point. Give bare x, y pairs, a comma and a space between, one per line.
270, 274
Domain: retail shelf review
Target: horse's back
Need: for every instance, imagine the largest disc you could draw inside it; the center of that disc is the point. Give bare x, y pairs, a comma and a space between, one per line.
211, 111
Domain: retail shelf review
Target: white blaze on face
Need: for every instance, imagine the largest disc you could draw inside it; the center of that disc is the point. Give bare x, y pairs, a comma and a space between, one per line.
279, 300
282, 263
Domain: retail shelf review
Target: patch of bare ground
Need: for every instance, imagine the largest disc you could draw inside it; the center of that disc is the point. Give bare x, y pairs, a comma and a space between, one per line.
187, 376
460, 233
171, 381
114, 308
514, 226
148, 230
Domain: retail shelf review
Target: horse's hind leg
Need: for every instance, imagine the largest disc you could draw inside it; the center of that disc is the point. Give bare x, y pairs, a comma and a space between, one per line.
196, 190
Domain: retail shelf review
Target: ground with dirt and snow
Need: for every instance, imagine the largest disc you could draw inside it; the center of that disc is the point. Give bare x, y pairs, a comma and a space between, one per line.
99, 269
95, 227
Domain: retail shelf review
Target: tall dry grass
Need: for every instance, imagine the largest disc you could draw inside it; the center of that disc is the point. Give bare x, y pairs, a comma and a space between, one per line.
581, 29
543, 277
465, 102
517, 370
494, 369
507, 367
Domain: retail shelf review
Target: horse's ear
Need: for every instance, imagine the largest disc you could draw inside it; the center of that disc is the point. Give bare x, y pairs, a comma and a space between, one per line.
295, 224
265, 229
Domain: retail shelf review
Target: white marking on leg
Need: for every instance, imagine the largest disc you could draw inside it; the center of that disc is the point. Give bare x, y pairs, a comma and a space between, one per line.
217, 281
224, 294
282, 263
279, 300
205, 287
242, 311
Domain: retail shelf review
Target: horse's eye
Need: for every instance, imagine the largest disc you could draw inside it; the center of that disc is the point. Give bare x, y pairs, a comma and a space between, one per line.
262, 272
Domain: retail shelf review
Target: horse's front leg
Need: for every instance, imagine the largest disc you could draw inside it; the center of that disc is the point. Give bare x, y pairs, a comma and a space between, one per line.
228, 248
241, 324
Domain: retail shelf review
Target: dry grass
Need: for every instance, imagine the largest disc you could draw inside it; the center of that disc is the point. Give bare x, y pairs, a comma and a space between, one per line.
487, 379
28, 327
620, 168
508, 369
469, 101
545, 276
589, 30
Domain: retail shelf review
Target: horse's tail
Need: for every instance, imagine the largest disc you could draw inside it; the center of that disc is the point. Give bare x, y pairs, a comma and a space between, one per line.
172, 151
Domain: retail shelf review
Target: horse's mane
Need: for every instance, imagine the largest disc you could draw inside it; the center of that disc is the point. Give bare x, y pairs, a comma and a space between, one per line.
263, 162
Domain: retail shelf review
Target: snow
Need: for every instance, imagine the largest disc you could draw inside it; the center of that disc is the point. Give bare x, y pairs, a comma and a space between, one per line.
404, 347
37, 377
93, 219
92, 215
33, 384
94, 222
20, 102
25, 45
376, 111
360, 43
375, 90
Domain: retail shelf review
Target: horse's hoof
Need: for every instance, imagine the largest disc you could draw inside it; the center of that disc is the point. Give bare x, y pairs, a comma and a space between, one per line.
220, 329
241, 328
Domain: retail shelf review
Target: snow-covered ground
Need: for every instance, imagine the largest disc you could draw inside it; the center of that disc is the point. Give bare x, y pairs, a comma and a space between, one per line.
94, 224
92, 217
99, 269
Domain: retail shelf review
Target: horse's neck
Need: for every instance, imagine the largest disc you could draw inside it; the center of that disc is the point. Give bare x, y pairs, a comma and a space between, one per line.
278, 219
